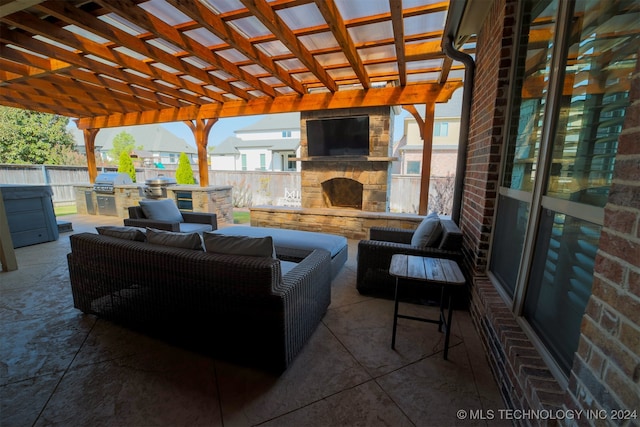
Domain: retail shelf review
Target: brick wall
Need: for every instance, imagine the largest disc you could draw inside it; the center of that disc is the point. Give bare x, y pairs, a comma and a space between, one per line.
495, 43
606, 368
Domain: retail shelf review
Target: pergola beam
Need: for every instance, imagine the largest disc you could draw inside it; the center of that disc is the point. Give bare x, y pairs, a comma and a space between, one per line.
390, 96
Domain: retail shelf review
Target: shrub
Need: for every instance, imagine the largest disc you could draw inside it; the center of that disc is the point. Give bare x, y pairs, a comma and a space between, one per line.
125, 165
184, 173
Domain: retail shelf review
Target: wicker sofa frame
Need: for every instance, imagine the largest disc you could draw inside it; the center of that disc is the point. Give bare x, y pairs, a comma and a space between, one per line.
374, 258
235, 307
137, 218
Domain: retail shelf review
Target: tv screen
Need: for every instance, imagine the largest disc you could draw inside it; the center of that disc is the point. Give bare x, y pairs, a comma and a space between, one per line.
348, 136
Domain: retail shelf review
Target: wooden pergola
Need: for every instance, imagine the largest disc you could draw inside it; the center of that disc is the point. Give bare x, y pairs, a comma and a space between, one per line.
112, 63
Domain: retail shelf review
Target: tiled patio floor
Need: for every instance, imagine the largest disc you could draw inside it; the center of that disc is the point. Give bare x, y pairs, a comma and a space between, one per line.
61, 367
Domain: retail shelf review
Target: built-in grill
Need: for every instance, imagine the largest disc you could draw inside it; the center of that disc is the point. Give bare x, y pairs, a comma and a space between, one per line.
156, 188
106, 181
105, 187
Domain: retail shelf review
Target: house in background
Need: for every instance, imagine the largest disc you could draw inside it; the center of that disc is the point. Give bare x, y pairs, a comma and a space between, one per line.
267, 145
446, 128
155, 145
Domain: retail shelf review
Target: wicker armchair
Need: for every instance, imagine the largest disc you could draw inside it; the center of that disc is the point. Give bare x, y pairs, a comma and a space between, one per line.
190, 224
374, 258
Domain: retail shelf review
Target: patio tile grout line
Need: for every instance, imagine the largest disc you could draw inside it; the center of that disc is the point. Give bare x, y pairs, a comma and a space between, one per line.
64, 373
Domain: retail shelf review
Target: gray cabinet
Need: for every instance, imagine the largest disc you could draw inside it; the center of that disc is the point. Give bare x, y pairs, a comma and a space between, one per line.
30, 214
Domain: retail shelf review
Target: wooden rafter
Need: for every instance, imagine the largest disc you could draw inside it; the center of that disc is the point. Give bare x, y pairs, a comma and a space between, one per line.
336, 24
398, 32
275, 24
198, 12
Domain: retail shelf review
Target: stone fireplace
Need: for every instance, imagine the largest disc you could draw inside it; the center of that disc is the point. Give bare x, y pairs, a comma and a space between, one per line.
349, 182
346, 194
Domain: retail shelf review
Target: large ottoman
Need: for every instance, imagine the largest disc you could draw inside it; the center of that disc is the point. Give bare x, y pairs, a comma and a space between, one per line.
296, 244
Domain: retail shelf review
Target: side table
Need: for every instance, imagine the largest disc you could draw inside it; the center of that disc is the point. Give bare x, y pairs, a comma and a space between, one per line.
434, 272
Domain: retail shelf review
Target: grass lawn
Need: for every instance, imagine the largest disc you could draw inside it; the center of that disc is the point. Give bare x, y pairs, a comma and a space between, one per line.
65, 210
240, 217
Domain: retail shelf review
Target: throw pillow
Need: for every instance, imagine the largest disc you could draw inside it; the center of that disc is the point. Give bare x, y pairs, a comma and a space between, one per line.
428, 232
128, 233
239, 245
174, 239
163, 210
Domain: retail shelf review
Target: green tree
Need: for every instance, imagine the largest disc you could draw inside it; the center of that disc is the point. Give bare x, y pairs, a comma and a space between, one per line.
125, 165
184, 173
29, 137
123, 142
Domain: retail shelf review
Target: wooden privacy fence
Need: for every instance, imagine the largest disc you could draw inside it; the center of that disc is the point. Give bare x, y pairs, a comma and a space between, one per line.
250, 188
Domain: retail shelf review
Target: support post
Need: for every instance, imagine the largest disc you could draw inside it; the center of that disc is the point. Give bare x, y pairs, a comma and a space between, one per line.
427, 138
201, 129
90, 148
7, 254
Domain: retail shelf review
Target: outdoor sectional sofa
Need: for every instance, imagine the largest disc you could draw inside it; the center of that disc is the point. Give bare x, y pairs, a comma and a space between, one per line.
291, 243
237, 307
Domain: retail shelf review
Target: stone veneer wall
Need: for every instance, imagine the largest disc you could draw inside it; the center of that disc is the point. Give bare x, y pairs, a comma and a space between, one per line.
214, 199
350, 223
606, 370
374, 175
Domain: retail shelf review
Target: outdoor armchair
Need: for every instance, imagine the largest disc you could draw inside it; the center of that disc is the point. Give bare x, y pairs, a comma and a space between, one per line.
374, 255
169, 218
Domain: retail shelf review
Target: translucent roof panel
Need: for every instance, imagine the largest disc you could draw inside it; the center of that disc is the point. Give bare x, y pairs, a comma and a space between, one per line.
371, 32
424, 23
213, 88
331, 59
275, 48
54, 43
221, 75
342, 73
318, 41
423, 77
164, 11
250, 27
271, 81
377, 52
21, 49
192, 79
291, 64
232, 55
204, 37
164, 67
386, 68
305, 77
86, 34
197, 62
254, 70
352, 9
136, 73
424, 65
122, 24
303, 16
285, 90
104, 61
130, 53
166, 46
222, 6
241, 85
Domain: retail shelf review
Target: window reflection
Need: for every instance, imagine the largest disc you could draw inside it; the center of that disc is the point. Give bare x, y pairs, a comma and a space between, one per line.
597, 81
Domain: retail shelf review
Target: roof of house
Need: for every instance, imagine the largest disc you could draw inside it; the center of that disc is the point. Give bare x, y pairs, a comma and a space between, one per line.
287, 121
233, 145
154, 138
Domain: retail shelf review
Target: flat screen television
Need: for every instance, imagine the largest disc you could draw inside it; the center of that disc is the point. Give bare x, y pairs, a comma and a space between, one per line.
345, 136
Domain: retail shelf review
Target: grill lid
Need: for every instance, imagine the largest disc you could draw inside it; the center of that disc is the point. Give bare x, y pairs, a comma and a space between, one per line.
160, 180
113, 178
